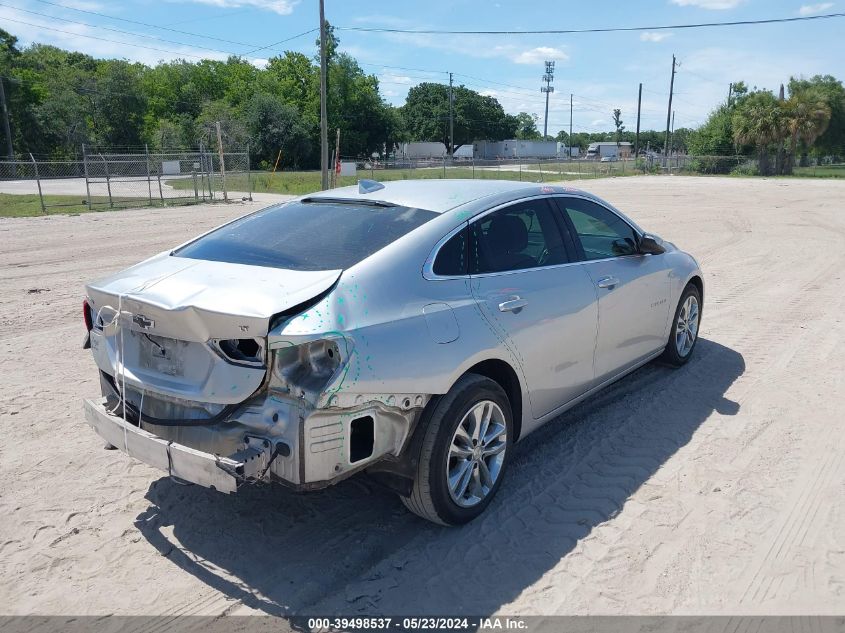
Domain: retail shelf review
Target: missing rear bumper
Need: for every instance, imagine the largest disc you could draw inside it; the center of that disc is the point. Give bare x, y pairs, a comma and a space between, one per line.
204, 469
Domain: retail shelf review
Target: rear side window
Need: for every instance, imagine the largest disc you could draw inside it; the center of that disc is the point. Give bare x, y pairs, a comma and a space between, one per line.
452, 256
307, 235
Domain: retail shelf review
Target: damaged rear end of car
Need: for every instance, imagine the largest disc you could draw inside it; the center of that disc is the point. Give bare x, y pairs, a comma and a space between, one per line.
201, 376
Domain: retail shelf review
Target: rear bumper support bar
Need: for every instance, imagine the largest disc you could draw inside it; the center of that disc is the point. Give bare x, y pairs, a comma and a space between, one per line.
204, 469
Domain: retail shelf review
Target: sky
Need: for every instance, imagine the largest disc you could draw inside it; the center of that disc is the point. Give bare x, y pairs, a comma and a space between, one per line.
601, 70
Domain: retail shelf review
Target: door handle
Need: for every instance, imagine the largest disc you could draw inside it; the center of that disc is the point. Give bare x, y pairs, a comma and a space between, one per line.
607, 282
513, 304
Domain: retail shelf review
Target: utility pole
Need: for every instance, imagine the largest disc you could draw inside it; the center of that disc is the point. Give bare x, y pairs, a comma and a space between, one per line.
669, 111
672, 144
7, 129
549, 77
451, 148
570, 124
639, 110
730, 92
324, 125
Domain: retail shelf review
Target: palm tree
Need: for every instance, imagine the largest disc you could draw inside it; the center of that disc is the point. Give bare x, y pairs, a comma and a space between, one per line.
807, 118
759, 120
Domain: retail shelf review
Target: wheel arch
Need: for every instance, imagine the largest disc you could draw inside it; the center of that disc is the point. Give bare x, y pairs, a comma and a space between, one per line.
698, 282
505, 376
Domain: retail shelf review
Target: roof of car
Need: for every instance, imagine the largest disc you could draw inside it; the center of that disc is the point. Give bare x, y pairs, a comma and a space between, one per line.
435, 194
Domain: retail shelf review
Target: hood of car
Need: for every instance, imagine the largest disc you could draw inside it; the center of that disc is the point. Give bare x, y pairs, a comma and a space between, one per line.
197, 300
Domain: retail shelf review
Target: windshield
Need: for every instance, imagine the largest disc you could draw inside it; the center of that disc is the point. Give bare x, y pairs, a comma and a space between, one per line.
307, 235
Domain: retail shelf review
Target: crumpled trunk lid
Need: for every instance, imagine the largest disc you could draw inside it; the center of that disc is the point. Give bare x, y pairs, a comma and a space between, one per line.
197, 300
171, 307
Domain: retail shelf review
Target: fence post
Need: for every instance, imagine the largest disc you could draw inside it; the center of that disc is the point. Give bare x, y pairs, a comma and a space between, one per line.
85, 169
519, 161
108, 182
196, 190
473, 167
149, 182
249, 174
38, 180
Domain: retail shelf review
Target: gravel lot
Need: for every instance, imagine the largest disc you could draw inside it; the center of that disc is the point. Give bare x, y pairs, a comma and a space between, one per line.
719, 488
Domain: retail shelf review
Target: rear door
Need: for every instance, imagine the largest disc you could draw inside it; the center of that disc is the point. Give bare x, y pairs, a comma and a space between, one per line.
536, 299
632, 288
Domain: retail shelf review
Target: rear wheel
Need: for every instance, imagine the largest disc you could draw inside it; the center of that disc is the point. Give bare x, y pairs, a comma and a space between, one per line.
684, 333
464, 453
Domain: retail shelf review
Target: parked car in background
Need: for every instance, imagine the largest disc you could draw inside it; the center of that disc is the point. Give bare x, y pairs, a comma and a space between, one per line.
412, 330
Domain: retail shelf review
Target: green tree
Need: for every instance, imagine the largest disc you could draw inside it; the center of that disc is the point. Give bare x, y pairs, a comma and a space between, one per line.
618, 123
526, 126
831, 90
273, 126
807, 117
426, 115
759, 121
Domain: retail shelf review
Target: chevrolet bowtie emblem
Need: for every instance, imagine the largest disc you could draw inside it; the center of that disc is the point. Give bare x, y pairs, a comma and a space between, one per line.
143, 322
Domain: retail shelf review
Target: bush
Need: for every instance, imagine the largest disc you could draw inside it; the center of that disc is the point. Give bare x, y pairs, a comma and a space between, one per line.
748, 168
713, 164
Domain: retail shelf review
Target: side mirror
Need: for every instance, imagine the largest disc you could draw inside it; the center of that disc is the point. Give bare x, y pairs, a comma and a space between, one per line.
651, 245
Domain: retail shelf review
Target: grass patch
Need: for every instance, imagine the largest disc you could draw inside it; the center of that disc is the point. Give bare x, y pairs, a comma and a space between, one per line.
303, 182
14, 205
822, 171
27, 205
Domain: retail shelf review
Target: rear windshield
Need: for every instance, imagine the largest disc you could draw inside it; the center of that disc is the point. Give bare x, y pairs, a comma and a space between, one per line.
307, 235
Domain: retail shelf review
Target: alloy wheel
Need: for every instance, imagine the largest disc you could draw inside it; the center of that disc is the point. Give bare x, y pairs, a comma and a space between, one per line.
476, 454
686, 329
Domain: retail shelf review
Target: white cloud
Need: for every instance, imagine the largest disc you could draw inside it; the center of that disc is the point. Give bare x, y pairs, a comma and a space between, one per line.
716, 5
539, 55
391, 78
651, 36
282, 7
815, 9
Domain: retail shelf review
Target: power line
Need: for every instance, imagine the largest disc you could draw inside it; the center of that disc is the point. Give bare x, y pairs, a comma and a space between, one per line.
103, 39
181, 32
661, 27
138, 23
113, 30
261, 48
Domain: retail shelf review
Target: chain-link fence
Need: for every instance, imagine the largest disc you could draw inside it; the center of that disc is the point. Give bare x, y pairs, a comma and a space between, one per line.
104, 179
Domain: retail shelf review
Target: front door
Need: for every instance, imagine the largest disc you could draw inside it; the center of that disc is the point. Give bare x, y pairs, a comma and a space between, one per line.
537, 301
632, 287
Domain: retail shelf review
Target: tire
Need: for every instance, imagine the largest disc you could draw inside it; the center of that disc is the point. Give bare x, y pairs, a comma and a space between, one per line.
432, 497
676, 353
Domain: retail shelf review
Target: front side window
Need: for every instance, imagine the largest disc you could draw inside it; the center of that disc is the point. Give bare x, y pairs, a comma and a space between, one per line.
307, 235
601, 232
519, 237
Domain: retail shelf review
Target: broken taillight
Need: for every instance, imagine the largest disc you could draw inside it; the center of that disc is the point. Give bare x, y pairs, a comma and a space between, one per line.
86, 315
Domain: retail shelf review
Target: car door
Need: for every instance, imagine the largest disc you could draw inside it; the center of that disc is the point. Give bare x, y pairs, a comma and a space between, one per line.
536, 299
632, 287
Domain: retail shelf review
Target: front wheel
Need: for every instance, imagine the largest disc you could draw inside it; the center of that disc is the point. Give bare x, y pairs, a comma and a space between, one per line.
464, 453
684, 333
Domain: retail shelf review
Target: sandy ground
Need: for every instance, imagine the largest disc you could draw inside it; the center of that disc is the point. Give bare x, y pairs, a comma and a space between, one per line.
717, 488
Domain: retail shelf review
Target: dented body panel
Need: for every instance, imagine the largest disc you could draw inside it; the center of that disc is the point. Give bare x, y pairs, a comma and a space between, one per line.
306, 377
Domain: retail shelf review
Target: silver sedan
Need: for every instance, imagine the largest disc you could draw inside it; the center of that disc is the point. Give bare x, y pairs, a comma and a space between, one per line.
413, 330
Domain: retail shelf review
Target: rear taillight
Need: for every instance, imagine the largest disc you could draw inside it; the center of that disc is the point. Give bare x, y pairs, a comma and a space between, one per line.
86, 316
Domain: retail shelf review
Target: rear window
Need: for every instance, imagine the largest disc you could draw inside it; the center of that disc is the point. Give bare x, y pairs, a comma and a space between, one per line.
307, 235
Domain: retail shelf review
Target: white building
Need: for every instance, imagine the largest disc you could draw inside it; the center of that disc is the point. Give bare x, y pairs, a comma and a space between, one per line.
421, 149
514, 148
609, 148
